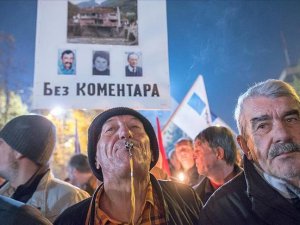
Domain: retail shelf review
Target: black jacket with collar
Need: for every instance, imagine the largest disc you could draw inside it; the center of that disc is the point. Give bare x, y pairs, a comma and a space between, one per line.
181, 204
248, 199
204, 189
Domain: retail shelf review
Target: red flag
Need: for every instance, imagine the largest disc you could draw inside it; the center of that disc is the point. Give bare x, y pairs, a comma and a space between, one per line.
165, 164
77, 143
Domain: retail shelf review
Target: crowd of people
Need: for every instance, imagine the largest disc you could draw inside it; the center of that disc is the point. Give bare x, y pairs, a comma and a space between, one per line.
117, 182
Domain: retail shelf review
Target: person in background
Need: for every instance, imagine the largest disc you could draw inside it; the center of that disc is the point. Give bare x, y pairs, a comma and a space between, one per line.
26, 145
215, 154
184, 153
175, 166
122, 148
101, 63
268, 191
67, 63
13, 212
80, 173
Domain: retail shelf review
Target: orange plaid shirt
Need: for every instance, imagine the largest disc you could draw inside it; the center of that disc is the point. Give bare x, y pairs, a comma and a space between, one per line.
152, 213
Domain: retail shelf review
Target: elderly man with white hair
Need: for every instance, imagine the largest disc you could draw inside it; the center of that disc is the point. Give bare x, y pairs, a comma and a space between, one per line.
268, 191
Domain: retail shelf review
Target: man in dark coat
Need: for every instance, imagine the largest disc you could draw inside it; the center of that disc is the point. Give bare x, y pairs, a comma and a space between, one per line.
268, 191
215, 154
122, 148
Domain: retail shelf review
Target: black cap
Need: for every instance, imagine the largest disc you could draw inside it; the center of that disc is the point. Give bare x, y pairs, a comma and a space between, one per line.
96, 128
32, 135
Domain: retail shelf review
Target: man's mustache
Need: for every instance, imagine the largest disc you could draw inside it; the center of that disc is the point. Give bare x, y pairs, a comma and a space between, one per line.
282, 148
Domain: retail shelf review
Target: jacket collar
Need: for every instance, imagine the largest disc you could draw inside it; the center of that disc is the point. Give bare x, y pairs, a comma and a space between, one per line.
266, 202
39, 197
156, 188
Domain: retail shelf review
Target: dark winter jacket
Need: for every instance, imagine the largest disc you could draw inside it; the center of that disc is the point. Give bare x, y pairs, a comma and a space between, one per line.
248, 199
181, 204
204, 189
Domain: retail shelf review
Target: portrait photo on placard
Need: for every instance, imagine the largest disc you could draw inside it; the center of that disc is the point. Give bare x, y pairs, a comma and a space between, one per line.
133, 66
66, 62
101, 63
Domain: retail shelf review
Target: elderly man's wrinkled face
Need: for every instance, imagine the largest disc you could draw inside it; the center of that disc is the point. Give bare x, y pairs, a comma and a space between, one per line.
112, 154
273, 135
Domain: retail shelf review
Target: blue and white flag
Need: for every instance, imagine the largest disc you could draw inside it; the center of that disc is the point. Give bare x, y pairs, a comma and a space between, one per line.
193, 114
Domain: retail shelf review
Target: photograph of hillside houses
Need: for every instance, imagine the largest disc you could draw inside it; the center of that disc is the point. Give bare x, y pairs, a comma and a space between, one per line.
112, 22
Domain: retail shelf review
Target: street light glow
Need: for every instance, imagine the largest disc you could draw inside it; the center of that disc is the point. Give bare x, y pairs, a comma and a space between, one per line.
181, 177
57, 111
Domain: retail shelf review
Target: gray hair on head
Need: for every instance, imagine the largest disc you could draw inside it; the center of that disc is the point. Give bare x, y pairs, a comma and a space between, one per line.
270, 88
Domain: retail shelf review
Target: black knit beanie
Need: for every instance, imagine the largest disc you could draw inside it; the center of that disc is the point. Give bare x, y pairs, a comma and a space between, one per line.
96, 128
31, 135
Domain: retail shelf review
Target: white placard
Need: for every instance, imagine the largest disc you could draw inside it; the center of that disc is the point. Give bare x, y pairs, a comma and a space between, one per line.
114, 32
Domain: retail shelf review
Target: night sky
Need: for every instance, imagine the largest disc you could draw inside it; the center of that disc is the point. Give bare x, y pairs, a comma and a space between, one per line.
233, 44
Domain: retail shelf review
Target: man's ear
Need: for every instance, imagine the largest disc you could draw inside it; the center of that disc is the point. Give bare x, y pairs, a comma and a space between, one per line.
220, 153
243, 144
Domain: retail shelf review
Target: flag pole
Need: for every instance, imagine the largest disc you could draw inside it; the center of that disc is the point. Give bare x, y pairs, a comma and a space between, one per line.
76, 142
